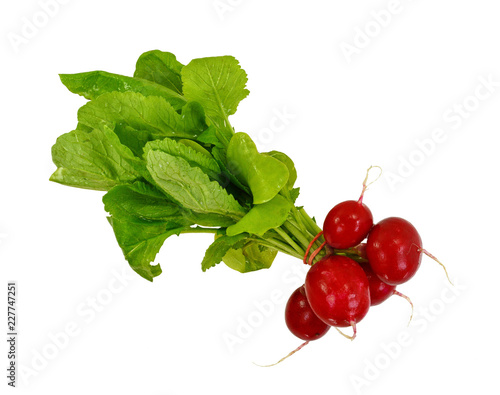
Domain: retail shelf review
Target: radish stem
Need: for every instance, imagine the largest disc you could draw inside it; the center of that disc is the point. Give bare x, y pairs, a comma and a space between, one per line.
310, 224
289, 240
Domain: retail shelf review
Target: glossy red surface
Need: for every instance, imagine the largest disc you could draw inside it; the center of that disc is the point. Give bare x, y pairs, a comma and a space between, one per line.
393, 250
379, 291
338, 291
347, 224
301, 320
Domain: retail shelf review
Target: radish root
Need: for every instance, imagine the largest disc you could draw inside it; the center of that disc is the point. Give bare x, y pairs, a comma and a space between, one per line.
365, 185
353, 324
420, 249
288, 355
409, 301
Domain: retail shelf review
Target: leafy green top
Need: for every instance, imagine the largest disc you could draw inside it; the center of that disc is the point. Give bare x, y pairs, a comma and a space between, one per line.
161, 145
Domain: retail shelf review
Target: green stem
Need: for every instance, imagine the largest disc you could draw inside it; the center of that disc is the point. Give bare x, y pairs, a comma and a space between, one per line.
297, 233
300, 221
289, 240
222, 138
278, 245
319, 255
354, 257
348, 251
310, 224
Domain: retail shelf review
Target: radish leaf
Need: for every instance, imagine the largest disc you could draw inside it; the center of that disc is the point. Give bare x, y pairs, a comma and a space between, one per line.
294, 194
209, 136
262, 217
265, 175
250, 257
219, 248
161, 68
221, 158
218, 84
196, 147
191, 188
95, 160
93, 84
140, 241
194, 158
285, 159
161, 144
142, 220
142, 202
153, 116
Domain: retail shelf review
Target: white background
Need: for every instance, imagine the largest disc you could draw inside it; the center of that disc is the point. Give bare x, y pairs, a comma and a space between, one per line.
349, 112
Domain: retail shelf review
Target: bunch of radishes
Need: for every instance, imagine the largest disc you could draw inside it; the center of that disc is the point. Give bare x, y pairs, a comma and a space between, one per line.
340, 288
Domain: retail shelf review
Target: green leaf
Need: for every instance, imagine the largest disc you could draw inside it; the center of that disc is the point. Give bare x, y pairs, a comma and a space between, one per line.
191, 188
262, 217
285, 159
161, 68
250, 257
143, 202
294, 194
140, 118
140, 241
209, 136
93, 84
220, 156
142, 219
219, 248
265, 175
218, 84
95, 160
194, 158
197, 147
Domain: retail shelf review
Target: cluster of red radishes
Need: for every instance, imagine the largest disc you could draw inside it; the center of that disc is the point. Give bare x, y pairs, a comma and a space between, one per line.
340, 288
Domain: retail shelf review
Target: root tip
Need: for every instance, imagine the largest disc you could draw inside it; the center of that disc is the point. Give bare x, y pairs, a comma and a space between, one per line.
351, 338
437, 260
409, 301
285, 357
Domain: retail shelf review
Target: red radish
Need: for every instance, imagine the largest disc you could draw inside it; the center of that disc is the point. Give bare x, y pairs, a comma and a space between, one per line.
338, 291
301, 321
394, 250
300, 318
347, 224
380, 291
